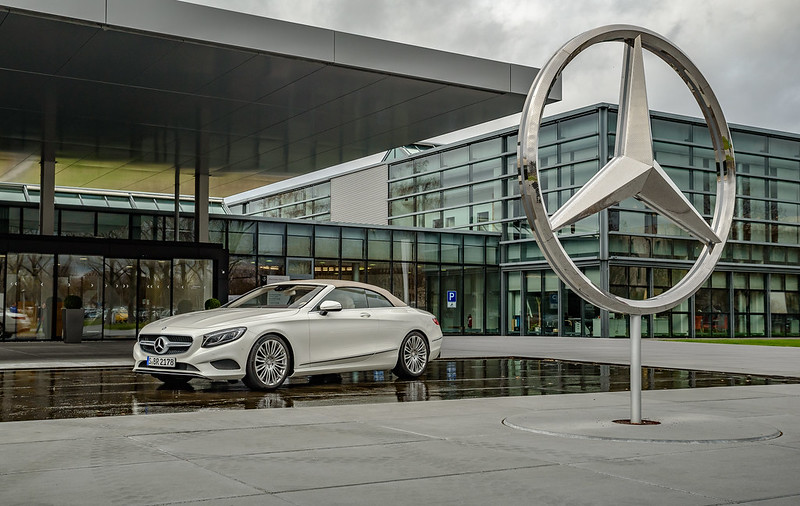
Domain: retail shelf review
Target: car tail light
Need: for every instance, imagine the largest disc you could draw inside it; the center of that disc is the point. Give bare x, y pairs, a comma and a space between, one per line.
436, 321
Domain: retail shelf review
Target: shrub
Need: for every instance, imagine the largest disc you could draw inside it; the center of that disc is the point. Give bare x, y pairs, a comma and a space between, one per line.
212, 303
73, 302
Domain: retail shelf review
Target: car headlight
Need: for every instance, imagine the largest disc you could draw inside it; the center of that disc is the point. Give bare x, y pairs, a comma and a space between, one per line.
223, 336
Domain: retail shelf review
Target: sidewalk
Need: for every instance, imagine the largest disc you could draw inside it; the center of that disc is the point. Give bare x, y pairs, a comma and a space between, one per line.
56, 354
732, 445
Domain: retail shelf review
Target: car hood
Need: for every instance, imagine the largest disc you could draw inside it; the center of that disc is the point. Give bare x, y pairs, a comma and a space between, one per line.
219, 318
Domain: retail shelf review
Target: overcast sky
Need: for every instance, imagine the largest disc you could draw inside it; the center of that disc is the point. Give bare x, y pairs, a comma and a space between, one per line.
748, 50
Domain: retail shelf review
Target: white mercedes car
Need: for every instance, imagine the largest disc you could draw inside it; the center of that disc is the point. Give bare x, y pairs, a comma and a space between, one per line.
291, 328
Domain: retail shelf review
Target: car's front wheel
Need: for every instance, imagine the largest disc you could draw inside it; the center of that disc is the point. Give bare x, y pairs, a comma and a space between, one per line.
413, 357
268, 364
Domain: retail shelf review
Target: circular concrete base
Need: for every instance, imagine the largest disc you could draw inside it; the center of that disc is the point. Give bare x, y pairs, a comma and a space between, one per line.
686, 429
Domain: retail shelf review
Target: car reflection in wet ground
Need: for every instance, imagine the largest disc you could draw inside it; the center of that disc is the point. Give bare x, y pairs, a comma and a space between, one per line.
74, 393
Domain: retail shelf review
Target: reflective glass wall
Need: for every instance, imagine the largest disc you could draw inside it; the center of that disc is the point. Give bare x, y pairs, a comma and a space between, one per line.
419, 267
754, 289
118, 295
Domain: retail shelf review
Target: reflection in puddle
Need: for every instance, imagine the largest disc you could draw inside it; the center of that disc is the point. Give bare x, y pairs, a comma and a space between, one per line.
44, 394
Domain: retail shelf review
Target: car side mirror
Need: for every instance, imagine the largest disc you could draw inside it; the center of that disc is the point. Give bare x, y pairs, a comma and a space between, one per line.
329, 305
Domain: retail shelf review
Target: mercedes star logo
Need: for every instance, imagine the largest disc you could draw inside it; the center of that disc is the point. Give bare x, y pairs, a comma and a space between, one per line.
632, 172
161, 345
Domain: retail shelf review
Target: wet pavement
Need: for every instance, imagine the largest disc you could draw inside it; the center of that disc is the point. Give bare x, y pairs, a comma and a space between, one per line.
96, 392
523, 448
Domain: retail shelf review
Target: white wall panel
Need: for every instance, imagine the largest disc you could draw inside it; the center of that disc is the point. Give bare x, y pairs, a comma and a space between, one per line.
361, 197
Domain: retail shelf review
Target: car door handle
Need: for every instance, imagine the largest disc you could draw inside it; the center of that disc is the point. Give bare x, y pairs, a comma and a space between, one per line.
365, 315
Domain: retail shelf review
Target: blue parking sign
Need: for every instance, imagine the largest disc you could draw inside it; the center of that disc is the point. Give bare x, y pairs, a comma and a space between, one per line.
451, 298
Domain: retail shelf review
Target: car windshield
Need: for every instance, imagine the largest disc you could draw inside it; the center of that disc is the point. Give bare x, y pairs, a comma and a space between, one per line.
277, 296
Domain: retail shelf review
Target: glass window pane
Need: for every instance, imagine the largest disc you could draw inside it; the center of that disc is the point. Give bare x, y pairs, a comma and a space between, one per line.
77, 223
297, 268
353, 241
403, 187
671, 130
456, 197
403, 247
579, 150
487, 170
192, 280
326, 242
427, 247
241, 274
748, 142
119, 292
401, 170
575, 127
486, 148
455, 156
487, 191
270, 269
453, 177
401, 206
378, 244
671, 154
454, 218
113, 226
298, 240
153, 292
451, 248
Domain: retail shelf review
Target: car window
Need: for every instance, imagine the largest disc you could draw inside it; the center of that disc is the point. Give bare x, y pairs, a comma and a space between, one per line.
277, 296
374, 299
349, 298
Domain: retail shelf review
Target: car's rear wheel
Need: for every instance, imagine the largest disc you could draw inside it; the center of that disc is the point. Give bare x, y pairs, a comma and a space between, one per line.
172, 379
268, 364
413, 357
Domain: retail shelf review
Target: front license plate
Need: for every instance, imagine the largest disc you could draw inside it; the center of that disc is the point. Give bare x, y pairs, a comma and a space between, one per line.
161, 361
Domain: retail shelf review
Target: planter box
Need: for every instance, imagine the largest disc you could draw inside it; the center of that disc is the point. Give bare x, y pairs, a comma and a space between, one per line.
72, 331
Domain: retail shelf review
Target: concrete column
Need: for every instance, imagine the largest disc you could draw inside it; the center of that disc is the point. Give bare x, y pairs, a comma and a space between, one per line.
201, 180
201, 202
177, 201
47, 191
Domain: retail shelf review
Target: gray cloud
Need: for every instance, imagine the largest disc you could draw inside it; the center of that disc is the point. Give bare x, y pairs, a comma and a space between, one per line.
747, 50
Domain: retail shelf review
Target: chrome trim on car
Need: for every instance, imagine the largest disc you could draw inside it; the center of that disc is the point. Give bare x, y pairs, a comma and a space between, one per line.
345, 359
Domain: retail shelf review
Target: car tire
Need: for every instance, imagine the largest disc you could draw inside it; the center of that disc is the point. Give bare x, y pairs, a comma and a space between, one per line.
268, 364
413, 356
172, 379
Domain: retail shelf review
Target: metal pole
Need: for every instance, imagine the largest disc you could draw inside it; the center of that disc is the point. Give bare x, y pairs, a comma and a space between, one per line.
636, 369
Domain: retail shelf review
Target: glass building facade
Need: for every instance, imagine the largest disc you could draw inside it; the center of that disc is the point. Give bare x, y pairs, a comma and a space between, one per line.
417, 266
120, 254
627, 249
456, 224
311, 202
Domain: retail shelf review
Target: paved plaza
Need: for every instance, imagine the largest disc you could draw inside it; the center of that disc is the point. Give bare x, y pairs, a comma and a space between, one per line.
730, 445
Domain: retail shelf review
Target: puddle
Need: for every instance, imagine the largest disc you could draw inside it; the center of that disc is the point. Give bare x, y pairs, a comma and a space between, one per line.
74, 393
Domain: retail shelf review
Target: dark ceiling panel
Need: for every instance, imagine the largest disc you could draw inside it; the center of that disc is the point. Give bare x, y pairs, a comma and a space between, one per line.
258, 77
37, 44
117, 57
189, 67
318, 88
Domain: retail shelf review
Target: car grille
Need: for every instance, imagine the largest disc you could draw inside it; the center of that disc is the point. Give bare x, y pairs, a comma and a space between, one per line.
175, 344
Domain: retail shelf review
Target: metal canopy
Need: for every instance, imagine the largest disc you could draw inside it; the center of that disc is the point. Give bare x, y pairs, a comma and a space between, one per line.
127, 91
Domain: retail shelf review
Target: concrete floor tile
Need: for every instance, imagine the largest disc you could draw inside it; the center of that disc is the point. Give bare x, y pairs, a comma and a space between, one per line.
158, 482
792, 500
745, 472
338, 467
273, 439
75, 453
552, 485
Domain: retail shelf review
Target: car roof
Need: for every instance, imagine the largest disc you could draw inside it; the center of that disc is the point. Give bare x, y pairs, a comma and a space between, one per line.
342, 283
